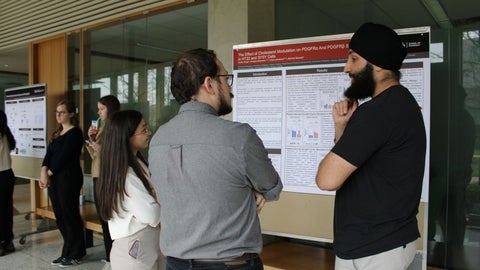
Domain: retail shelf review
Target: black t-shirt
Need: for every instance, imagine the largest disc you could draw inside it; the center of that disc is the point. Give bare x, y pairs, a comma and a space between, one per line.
375, 209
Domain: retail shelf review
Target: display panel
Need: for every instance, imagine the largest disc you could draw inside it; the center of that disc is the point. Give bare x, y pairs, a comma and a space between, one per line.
25, 108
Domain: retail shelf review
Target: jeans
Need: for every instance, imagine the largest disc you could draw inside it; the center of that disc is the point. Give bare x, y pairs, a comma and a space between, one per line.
180, 264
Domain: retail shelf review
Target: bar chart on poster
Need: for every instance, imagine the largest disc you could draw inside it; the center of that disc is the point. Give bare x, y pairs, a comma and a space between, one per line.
25, 108
285, 89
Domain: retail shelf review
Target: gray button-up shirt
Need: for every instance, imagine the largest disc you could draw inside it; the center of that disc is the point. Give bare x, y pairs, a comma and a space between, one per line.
205, 170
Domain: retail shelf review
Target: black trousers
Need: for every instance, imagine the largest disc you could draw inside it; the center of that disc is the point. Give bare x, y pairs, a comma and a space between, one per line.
64, 192
107, 239
7, 182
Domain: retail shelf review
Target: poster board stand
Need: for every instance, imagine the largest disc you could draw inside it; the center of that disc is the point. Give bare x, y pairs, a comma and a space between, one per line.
25, 108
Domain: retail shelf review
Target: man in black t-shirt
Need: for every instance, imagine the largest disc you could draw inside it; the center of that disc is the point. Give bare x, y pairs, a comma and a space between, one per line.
378, 161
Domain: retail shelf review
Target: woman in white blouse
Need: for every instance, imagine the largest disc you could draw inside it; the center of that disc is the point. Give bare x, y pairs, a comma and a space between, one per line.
125, 194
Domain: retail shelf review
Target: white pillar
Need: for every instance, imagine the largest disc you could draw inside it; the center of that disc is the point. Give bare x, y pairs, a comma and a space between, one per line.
232, 22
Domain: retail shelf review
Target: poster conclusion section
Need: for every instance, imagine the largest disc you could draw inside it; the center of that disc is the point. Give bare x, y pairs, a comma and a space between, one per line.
25, 109
286, 90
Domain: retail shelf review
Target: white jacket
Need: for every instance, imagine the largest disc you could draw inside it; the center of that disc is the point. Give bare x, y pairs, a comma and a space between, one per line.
141, 209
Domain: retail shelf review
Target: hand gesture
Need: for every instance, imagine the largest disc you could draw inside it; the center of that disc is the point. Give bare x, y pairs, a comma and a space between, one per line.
92, 133
260, 200
342, 111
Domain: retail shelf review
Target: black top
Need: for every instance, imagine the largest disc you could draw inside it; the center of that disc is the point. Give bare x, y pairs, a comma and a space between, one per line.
375, 209
64, 151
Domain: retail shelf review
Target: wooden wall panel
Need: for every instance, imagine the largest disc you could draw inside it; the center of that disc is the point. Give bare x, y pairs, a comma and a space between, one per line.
49, 66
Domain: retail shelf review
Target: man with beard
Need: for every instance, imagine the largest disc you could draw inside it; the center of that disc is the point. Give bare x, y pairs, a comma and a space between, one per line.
378, 161
212, 176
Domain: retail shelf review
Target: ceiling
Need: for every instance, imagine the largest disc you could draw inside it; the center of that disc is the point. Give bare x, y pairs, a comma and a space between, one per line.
184, 28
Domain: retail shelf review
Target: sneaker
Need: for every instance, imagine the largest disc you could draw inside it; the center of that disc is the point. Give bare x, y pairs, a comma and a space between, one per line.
69, 262
58, 261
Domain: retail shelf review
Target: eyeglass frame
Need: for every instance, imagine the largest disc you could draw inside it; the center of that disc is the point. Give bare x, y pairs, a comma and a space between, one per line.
145, 130
229, 77
61, 113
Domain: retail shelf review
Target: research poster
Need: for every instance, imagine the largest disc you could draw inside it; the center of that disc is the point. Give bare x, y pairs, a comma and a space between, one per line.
25, 108
286, 89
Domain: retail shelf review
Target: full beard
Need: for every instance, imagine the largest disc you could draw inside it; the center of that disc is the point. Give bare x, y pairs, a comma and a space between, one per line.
363, 85
225, 107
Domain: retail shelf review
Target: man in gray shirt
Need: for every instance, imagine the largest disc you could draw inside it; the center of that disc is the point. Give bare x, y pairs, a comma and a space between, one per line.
212, 176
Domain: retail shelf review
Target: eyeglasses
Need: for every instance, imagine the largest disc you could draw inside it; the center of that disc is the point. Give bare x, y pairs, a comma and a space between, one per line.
60, 113
229, 78
145, 130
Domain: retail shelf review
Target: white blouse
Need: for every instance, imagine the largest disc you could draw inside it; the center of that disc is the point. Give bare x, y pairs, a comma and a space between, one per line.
141, 209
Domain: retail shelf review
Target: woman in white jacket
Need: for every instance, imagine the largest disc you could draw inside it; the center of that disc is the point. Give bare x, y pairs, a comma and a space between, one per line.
125, 194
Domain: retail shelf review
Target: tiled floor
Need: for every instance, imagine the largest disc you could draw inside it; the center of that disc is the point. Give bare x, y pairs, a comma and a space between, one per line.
40, 249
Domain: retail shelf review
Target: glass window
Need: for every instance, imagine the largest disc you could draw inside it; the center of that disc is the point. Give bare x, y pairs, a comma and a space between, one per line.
132, 60
10, 80
122, 86
454, 197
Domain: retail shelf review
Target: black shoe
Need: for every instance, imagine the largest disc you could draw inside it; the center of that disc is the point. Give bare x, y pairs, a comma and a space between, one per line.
8, 247
69, 262
2, 251
58, 261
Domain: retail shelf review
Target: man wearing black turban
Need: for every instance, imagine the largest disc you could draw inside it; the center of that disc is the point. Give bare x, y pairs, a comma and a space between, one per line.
378, 161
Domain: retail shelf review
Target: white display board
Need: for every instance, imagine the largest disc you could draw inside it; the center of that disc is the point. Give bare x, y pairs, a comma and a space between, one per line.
25, 108
286, 89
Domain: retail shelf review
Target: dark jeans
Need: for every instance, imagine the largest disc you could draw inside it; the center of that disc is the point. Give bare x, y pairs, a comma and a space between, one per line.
180, 264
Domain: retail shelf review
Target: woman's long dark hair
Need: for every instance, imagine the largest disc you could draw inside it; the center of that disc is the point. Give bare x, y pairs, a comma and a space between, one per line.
5, 131
111, 102
117, 156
